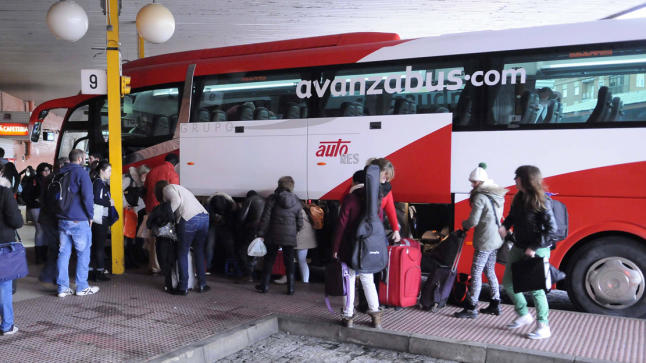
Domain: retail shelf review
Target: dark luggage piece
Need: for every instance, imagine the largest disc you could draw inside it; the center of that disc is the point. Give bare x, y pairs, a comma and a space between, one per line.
437, 288
403, 276
460, 290
334, 285
337, 282
530, 274
447, 250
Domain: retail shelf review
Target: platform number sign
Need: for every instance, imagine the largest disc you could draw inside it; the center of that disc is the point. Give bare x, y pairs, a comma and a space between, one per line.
94, 82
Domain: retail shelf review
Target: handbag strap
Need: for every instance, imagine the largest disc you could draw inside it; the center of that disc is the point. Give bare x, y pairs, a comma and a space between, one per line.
493, 206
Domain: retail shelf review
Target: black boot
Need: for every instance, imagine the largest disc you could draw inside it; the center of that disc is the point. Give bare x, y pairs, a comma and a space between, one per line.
469, 311
290, 284
493, 308
91, 275
99, 275
263, 286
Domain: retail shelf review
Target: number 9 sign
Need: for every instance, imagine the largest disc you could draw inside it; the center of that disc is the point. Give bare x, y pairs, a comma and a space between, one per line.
94, 82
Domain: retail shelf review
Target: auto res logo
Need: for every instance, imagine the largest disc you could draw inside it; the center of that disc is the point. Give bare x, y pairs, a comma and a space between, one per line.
337, 149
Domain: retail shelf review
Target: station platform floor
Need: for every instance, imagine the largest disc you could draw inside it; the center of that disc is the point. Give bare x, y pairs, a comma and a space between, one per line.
132, 319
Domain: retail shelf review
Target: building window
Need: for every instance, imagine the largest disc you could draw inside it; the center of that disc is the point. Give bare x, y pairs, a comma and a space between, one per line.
640, 80
576, 89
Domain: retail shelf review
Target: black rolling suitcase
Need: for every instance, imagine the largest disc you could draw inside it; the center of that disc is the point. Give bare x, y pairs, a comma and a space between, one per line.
437, 288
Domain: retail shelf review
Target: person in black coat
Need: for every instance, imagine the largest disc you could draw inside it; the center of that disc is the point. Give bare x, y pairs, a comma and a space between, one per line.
281, 220
31, 195
10, 221
247, 227
49, 232
101, 174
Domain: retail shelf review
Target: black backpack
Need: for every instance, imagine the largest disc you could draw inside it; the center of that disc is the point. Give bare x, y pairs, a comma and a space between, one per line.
58, 195
560, 213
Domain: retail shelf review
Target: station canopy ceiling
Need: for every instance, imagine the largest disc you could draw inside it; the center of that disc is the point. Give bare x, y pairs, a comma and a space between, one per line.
34, 65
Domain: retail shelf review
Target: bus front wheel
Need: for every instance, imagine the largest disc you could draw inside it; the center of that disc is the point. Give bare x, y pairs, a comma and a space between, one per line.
606, 276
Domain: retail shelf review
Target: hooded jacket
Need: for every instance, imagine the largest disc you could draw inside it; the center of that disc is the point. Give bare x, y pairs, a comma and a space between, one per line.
82, 194
483, 216
531, 228
10, 216
281, 219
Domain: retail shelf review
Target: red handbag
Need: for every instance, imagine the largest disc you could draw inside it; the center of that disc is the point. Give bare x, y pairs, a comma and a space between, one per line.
129, 222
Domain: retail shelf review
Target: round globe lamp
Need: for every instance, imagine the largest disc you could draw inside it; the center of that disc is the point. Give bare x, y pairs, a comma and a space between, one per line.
155, 23
67, 20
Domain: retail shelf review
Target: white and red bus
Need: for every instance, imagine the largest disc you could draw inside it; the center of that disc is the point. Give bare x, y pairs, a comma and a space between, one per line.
570, 99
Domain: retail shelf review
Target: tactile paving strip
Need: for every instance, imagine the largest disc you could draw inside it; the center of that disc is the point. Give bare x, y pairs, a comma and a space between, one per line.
132, 319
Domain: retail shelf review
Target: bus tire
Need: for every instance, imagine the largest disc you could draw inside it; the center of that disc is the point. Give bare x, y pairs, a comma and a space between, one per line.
606, 276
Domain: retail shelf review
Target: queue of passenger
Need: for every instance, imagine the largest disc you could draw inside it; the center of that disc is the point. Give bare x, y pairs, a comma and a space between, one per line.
175, 223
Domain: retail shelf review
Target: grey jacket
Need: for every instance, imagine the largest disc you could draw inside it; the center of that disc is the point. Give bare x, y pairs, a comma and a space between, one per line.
281, 218
486, 236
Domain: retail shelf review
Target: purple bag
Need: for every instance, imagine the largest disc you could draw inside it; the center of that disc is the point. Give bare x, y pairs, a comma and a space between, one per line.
13, 261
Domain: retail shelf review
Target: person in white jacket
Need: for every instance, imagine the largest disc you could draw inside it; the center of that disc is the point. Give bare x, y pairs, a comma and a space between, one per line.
487, 201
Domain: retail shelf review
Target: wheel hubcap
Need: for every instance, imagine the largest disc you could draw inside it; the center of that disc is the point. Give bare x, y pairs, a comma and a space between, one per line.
615, 282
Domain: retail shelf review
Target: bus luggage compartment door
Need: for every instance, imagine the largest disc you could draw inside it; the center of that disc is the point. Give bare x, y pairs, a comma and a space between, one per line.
235, 157
418, 145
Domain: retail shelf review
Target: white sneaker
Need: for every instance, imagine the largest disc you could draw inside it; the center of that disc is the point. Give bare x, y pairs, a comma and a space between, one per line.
67, 292
13, 330
281, 281
521, 321
542, 331
88, 291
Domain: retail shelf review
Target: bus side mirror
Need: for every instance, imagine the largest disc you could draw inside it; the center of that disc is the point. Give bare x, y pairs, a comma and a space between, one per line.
35, 131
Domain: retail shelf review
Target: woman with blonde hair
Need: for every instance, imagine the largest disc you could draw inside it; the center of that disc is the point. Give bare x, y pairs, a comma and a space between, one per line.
532, 218
387, 174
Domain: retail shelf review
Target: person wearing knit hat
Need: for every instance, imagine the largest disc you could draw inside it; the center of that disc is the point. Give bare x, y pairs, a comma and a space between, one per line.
479, 174
487, 201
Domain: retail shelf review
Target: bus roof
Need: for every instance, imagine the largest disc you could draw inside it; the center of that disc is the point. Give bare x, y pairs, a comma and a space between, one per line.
266, 47
593, 32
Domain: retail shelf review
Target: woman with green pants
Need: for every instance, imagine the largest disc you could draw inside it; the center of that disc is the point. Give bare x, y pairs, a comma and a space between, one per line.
532, 218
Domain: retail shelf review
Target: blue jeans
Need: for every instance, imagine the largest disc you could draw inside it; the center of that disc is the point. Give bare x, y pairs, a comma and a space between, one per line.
193, 232
79, 235
6, 306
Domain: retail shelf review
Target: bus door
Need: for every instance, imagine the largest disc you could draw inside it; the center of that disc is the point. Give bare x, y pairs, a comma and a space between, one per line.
75, 127
418, 145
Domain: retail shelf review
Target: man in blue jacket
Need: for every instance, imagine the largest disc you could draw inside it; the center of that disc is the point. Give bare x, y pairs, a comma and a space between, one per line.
74, 224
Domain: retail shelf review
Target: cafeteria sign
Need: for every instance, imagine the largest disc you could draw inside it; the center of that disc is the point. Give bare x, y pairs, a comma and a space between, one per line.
13, 130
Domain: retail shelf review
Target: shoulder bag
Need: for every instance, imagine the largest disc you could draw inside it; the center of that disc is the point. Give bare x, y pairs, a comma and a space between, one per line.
502, 256
13, 261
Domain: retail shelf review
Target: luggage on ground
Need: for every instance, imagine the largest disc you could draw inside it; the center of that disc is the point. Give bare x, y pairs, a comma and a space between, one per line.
460, 289
279, 264
403, 275
437, 288
337, 281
